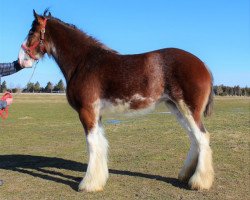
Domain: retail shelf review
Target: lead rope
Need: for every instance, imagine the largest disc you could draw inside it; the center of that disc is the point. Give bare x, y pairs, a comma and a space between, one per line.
33, 72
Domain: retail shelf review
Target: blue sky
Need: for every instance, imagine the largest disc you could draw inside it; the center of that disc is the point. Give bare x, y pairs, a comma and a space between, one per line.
217, 31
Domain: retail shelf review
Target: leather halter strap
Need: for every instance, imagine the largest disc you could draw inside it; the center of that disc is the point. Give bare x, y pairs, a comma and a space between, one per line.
40, 43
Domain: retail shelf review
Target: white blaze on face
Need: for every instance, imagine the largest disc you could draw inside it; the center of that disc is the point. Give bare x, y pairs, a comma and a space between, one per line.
24, 59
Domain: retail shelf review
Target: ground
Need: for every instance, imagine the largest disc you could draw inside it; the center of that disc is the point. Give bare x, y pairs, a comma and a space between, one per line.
43, 152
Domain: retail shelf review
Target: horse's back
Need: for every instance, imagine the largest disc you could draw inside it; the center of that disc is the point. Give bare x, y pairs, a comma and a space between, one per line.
173, 61
174, 69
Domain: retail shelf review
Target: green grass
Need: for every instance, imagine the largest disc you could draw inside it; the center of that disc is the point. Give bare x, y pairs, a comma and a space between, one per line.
43, 152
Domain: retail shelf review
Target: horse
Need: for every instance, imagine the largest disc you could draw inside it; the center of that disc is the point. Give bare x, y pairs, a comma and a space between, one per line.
98, 77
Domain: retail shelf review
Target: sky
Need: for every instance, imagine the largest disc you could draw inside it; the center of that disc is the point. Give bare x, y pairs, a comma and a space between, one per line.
216, 31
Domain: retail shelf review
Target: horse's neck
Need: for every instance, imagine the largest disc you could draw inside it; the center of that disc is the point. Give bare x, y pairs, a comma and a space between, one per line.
68, 48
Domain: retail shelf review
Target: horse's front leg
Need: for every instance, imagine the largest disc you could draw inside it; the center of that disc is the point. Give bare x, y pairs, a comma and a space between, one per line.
97, 171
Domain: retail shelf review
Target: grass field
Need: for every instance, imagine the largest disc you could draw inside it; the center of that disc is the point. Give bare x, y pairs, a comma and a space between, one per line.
43, 152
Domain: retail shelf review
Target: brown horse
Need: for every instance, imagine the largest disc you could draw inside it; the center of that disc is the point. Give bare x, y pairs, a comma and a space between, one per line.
98, 77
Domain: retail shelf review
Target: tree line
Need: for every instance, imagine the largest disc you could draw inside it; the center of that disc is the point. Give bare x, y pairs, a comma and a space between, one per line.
36, 87
219, 90
222, 90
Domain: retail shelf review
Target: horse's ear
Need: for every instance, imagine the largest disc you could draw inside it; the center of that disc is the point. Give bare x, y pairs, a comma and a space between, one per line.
35, 15
38, 18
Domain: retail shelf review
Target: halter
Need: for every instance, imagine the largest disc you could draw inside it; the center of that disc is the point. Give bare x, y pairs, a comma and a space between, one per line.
40, 43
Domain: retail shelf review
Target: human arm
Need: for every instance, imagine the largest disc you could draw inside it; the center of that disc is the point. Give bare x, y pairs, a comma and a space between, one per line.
9, 68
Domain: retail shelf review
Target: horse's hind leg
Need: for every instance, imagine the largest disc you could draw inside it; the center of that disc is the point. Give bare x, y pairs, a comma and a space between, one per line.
190, 163
97, 171
204, 174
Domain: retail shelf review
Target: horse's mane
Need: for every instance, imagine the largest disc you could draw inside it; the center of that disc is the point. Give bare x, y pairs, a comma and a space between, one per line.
91, 39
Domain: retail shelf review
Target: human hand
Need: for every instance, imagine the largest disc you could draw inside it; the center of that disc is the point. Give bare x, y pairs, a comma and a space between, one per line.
9, 101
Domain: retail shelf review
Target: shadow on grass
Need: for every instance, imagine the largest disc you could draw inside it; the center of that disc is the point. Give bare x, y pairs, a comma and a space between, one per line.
35, 166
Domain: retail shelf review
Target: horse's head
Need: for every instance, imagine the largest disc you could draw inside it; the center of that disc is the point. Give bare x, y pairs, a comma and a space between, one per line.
34, 47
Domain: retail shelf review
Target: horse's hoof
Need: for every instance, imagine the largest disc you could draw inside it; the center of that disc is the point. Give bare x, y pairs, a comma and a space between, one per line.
201, 181
89, 188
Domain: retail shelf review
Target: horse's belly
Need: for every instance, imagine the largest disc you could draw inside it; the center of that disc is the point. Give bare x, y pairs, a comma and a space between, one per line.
134, 105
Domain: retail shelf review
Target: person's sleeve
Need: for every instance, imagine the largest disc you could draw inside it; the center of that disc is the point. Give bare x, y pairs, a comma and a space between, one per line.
17, 66
9, 68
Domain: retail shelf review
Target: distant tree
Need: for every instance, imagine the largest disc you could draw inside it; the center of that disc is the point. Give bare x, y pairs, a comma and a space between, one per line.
4, 87
223, 90
215, 89
16, 90
237, 90
219, 90
60, 86
230, 91
30, 87
42, 89
49, 87
243, 92
37, 87
247, 91
226, 90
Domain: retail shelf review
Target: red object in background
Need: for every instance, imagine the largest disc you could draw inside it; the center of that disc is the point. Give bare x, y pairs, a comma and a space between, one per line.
4, 112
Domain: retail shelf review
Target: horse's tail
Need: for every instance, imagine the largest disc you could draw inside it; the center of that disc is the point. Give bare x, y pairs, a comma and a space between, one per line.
210, 103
